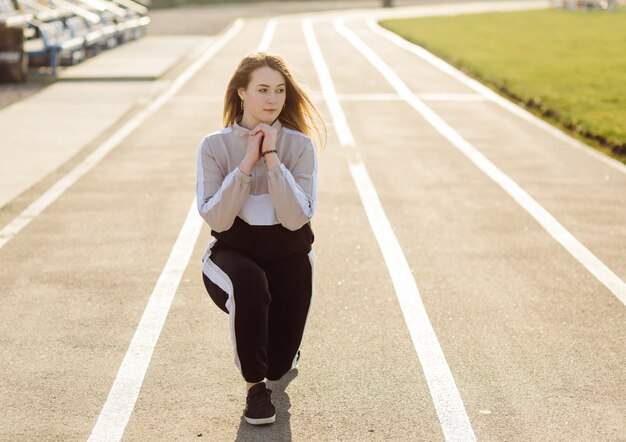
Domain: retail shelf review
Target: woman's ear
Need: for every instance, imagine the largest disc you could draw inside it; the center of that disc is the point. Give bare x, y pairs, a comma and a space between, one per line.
240, 92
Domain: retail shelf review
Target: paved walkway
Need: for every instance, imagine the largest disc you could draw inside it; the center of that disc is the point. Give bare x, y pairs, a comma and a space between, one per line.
457, 296
148, 58
46, 130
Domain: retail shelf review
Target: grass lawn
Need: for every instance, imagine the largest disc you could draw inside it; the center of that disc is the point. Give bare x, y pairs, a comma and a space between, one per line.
569, 67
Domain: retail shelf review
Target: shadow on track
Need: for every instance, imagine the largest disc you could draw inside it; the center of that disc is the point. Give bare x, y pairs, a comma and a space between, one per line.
279, 430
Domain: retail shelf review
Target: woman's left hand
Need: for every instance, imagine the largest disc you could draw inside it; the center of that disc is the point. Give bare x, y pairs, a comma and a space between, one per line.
269, 136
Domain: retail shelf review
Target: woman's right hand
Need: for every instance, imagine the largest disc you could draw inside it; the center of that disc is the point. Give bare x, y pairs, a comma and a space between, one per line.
253, 153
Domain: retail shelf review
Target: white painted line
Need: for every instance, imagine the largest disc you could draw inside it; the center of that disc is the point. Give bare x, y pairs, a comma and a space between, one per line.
127, 385
597, 268
125, 390
268, 35
57, 189
199, 98
446, 398
424, 97
421, 10
328, 88
492, 96
451, 97
369, 97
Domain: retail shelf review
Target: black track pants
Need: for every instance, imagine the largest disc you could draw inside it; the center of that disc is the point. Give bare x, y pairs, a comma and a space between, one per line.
268, 304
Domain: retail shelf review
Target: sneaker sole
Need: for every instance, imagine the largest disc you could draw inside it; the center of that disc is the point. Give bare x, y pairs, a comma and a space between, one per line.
260, 421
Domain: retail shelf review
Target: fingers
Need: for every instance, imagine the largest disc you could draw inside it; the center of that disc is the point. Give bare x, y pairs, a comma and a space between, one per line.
265, 128
264, 135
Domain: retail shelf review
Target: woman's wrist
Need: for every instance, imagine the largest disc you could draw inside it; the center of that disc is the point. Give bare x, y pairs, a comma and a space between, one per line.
269, 151
271, 159
246, 166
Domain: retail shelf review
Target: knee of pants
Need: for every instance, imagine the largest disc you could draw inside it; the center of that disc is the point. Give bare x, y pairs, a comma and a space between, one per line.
247, 279
219, 296
251, 288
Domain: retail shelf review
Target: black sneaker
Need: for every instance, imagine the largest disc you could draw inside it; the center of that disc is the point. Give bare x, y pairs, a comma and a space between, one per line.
259, 408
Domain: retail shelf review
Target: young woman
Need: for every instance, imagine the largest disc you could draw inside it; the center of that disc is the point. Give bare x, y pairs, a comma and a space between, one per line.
256, 190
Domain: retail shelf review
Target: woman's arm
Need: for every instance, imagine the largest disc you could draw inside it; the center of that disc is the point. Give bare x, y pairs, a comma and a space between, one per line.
219, 197
293, 192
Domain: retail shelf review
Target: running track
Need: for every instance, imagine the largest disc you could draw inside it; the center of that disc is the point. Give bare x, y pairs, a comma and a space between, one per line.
469, 281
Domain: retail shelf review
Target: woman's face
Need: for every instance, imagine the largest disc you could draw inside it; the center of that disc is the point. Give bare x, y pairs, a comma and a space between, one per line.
264, 97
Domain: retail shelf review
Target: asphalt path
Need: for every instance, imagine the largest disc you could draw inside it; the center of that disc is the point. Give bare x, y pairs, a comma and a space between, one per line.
444, 307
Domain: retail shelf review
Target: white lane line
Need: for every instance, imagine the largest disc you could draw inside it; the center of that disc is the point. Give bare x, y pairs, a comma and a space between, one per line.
491, 95
431, 10
424, 97
346, 97
198, 98
125, 390
446, 398
127, 385
369, 97
268, 35
451, 97
121, 400
328, 88
596, 267
58, 188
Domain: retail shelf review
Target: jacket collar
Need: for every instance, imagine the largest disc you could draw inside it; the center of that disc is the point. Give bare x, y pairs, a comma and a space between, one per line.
243, 132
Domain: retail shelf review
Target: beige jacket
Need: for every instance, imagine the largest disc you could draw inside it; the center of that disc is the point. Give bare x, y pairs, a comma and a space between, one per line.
284, 195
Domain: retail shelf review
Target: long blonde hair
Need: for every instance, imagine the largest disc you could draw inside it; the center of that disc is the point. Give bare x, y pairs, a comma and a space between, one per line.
299, 112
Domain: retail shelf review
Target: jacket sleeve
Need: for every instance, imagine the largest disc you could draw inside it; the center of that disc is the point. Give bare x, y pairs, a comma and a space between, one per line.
219, 197
293, 192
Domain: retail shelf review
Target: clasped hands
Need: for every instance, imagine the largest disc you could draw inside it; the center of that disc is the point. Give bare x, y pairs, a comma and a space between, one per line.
262, 138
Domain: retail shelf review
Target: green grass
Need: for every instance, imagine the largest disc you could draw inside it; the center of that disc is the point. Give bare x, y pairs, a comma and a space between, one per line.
569, 67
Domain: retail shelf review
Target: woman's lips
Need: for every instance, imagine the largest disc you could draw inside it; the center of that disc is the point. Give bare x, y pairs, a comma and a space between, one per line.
269, 110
